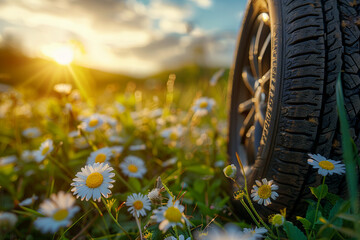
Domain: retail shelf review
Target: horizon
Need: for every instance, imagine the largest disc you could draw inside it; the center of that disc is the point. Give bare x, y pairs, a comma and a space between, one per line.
134, 38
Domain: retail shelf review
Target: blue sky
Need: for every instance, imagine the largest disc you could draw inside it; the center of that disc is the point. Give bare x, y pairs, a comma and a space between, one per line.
134, 37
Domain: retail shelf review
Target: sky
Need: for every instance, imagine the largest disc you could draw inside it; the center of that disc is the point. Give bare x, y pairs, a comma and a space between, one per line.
133, 37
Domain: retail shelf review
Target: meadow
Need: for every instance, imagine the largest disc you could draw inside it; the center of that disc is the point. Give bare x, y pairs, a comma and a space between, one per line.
141, 161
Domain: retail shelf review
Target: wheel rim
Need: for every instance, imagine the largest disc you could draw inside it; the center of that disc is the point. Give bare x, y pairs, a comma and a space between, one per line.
255, 75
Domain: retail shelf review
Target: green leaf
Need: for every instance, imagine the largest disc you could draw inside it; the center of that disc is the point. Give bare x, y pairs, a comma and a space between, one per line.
349, 217
348, 149
320, 191
306, 223
33, 212
135, 183
202, 170
293, 232
310, 213
223, 202
332, 198
199, 186
335, 210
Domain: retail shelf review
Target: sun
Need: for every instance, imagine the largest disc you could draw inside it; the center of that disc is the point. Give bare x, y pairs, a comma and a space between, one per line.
62, 54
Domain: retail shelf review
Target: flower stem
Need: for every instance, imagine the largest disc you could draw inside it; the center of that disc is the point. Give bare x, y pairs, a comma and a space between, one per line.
139, 226
277, 233
247, 196
112, 217
124, 182
317, 206
257, 215
176, 233
250, 212
189, 231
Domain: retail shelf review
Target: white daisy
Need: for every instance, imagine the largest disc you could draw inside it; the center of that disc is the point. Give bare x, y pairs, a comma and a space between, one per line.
219, 163
81, 143
156, 113
99, 156
45, 149
93, 181
133, 167
326, 166
230, 232
137, 204
181, 237
68, 108
137, 147
254, 233
28, 201
116, 150
28, 155
116, 139
119, 107
58, 212
203, 106
109, 120
33, 132
264, 191
7, 220
63, 88
170, 215
169, 162
7, 160
173, 133
93, 122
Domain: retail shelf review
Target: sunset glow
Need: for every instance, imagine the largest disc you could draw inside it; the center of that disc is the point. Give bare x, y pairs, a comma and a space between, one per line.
62, 54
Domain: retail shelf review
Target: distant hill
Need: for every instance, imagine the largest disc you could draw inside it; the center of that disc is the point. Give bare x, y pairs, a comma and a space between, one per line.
37, 73
17, 69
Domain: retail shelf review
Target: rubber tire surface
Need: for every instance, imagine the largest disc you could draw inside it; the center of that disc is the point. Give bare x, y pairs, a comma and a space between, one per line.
312, 42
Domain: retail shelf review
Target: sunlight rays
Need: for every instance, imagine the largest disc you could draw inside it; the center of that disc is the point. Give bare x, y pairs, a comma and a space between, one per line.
62, 54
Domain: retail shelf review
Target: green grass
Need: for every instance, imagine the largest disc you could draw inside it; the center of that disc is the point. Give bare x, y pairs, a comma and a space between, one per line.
195, 179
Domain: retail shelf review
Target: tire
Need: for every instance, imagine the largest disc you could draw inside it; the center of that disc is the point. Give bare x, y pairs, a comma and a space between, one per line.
284, 107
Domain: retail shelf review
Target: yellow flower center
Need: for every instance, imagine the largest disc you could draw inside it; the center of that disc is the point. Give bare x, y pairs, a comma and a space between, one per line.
45, 150
326, 165
132, 168
203, 104
173, 136
264, 191
93, 122
94, 180
173, 214
278, 220
61, 215
100, 158
138, 205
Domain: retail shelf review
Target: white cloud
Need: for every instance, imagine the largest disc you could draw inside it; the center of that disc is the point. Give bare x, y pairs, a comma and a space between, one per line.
120, 36
203, 3
173, 26
161, 10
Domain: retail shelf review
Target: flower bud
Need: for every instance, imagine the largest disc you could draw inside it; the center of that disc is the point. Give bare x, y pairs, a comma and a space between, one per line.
230, 171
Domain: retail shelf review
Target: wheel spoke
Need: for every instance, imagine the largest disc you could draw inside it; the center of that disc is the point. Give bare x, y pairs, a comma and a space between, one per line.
260, 111
246, 106
257, 136
249, 145
265, 78
255, 76
248, 122
248, 80
258, 37
264, 49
